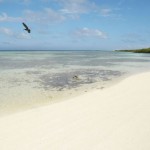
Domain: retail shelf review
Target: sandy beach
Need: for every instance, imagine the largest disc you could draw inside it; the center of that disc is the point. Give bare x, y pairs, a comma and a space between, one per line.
116, 118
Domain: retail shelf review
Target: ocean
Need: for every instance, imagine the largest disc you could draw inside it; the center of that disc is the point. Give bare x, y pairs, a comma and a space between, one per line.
30, 79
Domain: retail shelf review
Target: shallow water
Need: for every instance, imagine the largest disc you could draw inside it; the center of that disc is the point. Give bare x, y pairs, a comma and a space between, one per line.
32, 78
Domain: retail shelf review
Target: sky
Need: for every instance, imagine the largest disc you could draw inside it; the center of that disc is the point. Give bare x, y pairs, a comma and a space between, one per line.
74, 24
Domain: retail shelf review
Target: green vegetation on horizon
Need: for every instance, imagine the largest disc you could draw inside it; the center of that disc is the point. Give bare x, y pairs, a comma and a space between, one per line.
143, 50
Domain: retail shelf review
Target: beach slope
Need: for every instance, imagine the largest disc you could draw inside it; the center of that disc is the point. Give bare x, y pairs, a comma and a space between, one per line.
116, 118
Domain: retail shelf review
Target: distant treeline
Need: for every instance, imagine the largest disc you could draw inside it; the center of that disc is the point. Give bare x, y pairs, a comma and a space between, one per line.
143, 50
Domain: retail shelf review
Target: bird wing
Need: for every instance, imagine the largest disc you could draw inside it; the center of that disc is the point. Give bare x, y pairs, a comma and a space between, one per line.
25, 25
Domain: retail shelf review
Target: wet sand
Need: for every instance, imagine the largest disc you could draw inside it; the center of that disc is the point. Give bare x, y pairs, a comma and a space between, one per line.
114, 118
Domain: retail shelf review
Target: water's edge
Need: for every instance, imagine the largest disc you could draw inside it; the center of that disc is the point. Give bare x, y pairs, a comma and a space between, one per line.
31, 79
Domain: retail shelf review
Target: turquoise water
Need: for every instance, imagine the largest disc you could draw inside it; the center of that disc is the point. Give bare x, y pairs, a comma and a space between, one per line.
25, 74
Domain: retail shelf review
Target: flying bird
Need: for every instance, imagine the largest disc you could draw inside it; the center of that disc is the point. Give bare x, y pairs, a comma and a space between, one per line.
26, 27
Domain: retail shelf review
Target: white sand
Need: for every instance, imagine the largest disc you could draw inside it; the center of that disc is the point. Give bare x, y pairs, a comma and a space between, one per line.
117, 118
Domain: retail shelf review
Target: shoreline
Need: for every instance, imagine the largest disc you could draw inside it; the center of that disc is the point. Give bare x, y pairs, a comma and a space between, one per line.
115, 118
15, 99
33, 80
40, 98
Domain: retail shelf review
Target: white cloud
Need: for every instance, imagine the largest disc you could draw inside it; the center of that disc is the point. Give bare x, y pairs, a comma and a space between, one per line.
10, 33
74, 8
77, 7
23, 36
5, 18
6, 31
66, 9
46, 16
86, 32
112, 13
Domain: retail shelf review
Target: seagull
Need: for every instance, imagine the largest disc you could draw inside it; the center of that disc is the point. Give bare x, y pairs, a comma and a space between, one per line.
26, 27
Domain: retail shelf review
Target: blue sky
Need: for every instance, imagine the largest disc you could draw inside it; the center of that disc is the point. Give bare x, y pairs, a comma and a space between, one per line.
74, 24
